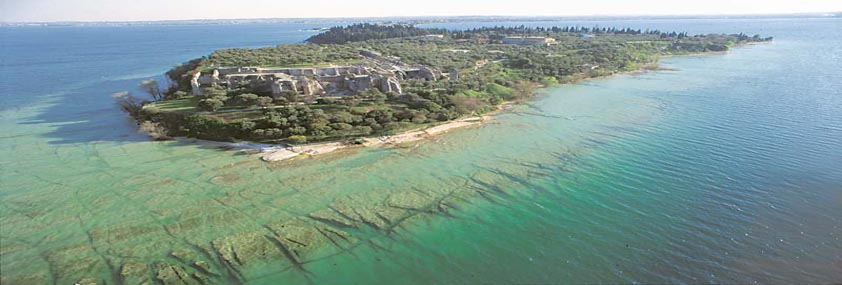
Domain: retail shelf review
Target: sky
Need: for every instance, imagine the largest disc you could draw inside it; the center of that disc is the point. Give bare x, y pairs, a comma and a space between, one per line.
149, 10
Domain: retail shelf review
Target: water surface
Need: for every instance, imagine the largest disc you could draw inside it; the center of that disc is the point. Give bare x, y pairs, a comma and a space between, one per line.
727, 170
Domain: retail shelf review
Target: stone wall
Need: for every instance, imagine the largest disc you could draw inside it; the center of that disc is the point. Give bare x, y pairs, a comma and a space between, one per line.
306, 81
377, 71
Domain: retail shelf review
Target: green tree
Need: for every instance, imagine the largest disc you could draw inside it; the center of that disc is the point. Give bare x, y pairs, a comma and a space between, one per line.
247, 99
523, 89
290, 96
177, 95
210, 104
297, 139
264, 101
214, 91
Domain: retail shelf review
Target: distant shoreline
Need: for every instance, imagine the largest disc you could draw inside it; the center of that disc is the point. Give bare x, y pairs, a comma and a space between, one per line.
412, 19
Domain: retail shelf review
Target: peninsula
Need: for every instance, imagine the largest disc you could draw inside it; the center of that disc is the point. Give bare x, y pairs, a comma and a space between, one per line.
373, 83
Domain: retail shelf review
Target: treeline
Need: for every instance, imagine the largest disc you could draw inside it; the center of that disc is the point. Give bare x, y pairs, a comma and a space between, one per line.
370, 113
288, 55
366, 31
489, 73
546, 31
392, 40
497, 32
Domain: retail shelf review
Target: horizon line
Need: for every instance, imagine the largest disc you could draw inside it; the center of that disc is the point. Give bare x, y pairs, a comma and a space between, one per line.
801, 14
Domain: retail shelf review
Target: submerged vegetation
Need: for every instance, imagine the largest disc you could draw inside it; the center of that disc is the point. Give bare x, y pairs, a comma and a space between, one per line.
486, 69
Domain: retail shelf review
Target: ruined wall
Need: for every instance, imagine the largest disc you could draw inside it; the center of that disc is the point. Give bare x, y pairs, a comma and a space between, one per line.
309, 81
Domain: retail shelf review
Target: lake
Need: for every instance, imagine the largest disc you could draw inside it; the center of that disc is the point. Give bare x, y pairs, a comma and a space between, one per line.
725, 169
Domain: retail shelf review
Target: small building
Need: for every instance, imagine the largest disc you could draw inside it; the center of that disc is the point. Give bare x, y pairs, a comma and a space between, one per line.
528, 40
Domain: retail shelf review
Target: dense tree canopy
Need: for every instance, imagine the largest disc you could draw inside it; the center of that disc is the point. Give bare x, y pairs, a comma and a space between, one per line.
366, 31
490, 72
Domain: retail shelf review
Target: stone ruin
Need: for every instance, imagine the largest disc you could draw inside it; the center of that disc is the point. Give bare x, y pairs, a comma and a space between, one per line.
335, 81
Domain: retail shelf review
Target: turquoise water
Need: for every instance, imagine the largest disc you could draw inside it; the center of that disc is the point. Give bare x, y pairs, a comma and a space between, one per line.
726, 170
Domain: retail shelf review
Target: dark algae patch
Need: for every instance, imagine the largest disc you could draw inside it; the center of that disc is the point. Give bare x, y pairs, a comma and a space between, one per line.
213, 243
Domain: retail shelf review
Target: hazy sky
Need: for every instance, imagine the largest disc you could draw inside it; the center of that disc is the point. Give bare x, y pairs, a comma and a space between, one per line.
134, 10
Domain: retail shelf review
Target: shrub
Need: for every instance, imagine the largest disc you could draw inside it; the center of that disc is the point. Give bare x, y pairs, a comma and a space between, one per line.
211, 104
177, 95
246, 99
264, 101
549, 81
154, 130
151, 109
297, 139
214, 91
500, 91
467, 105
247, 125
281, 101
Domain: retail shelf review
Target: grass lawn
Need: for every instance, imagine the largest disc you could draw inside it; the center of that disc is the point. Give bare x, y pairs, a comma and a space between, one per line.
187, 104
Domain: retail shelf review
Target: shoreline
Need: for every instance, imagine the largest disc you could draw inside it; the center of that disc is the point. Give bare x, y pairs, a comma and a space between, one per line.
284, 152
316, 149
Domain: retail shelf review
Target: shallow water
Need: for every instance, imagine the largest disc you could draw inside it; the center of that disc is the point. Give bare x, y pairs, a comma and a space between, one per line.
727, 170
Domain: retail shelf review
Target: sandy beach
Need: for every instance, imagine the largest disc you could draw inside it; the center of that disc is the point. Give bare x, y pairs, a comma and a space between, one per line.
409, 136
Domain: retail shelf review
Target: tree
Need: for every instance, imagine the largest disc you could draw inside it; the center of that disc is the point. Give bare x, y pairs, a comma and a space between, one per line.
127, 102
488, 78
297, 139
521, 62
523, 89
151, 87
215, 92
467, 105
281, 101
154, 130
290, 96
264, 101
247, 99
366, 31
375, 95
210, 104
247, 125
177, 95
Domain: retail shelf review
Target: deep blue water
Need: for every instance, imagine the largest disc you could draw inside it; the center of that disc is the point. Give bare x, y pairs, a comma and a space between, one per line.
727, 170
